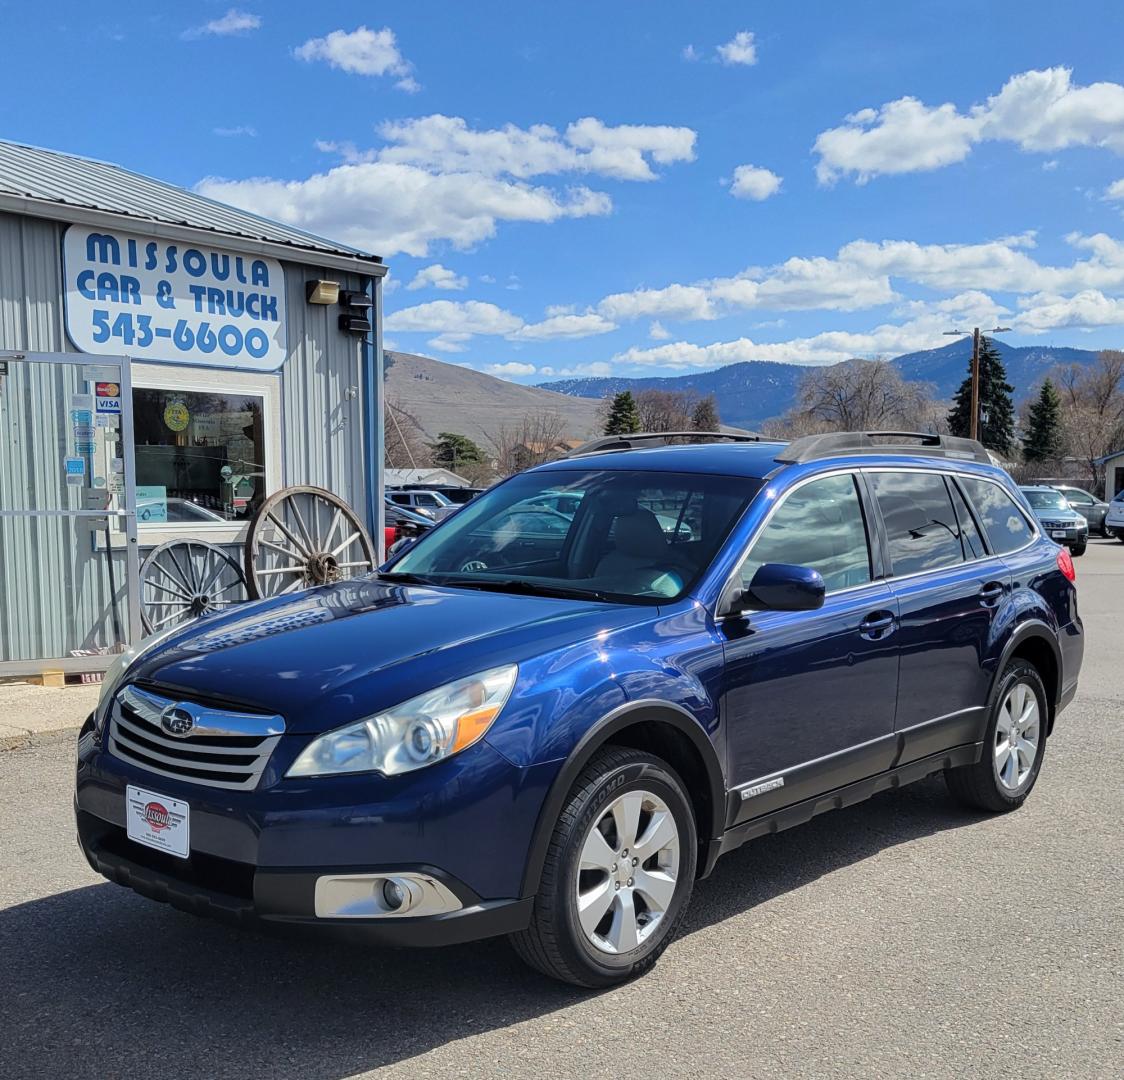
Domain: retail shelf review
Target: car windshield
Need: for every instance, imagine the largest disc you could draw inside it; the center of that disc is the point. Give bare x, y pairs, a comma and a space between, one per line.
1046, 500
612, 535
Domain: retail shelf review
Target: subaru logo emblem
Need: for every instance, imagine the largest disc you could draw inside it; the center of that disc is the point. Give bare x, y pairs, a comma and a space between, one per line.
177, 721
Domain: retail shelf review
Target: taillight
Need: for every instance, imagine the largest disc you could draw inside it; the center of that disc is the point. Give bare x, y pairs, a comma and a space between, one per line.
1065, 564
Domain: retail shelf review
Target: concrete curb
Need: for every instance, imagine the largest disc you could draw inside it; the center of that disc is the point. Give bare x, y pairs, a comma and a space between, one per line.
25, 739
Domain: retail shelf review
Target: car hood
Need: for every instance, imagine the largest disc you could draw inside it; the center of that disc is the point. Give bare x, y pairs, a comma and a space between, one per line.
1056, 514
337, 653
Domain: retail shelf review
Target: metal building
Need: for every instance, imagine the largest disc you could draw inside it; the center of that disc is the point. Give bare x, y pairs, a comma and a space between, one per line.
132, 307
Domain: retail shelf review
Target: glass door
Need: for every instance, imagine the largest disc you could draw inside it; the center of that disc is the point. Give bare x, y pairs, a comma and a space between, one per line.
69, 567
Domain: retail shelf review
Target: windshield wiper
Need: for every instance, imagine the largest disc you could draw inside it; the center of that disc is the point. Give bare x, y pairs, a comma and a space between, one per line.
400, 577
524, 587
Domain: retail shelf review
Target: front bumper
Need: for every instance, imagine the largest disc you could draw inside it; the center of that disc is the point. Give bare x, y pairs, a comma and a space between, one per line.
245, 896
255, 856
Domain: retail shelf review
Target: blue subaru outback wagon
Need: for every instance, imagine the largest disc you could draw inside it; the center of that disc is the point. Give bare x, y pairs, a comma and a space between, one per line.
553, 713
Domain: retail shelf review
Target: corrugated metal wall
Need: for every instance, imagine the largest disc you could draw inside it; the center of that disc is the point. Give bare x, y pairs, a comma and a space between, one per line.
54, 595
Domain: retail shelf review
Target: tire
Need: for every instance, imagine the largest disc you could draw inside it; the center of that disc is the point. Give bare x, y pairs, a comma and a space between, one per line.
992, 782
556, 943
1079, 549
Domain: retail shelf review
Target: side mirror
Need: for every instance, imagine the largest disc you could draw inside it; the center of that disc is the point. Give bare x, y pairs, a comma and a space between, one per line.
400, 545
783, 587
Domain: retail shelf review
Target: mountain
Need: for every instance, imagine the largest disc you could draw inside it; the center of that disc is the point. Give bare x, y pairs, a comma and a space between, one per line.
1026, 365
447, 397
754, 391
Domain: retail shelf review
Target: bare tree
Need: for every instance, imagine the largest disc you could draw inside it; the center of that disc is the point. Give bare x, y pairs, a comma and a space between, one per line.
665, 410
1092, 410
404, 441
531, 440
859, 395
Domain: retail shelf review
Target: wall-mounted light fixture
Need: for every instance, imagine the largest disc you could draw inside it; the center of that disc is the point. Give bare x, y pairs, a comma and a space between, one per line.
323, 292
355, 312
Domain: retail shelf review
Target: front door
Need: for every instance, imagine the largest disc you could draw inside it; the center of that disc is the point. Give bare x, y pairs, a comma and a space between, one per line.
810, 696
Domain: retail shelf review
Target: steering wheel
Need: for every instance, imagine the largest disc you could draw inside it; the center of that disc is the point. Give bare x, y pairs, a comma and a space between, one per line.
474, 566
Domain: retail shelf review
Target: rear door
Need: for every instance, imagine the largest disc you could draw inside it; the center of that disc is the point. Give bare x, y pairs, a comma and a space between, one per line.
949, 588
810, 695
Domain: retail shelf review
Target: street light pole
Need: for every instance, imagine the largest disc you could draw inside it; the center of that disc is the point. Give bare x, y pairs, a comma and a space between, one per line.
974, 429
974, 419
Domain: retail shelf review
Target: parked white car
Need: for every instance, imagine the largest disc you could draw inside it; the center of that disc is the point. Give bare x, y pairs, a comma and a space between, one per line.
1114, 519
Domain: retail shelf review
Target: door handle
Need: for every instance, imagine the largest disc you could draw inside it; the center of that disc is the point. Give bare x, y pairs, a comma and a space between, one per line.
877, 625
991, 593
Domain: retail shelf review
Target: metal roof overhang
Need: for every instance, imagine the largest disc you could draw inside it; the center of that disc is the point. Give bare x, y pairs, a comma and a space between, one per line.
82, 215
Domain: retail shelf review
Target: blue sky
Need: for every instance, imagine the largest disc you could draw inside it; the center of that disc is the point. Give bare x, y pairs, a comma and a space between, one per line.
627, 187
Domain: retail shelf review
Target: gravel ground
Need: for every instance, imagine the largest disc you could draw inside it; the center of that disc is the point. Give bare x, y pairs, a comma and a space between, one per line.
903, 937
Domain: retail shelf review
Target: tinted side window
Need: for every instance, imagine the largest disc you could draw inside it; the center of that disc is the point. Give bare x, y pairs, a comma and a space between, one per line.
921, 524
819, 525
969, 534
1002, 520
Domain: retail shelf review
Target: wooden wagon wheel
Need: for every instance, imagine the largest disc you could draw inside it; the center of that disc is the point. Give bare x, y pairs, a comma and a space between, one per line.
183, 579
305, 536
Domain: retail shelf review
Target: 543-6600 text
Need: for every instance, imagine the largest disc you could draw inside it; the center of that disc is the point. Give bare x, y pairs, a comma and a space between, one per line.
138, 329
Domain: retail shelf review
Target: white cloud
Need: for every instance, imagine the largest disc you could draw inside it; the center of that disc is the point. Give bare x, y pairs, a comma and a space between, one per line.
361, 52
387, 208
1085, 310
513, 367
454, 317
671, 302
690, 53
658, 332
560, 309
1115, 190
454, 321
739, 50
449, 343
236, 132
234, 21
1038, 111
1050, 166
752, 182
448, 144
565, 326
437, 179
437, 277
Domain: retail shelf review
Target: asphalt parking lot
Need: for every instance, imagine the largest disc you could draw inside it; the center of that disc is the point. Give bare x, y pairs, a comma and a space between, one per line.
903, 937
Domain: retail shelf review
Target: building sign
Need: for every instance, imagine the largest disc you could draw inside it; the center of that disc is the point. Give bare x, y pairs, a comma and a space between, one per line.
169, 302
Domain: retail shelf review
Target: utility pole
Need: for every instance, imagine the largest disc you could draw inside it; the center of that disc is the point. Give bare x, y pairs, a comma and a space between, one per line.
974, 424
974, 431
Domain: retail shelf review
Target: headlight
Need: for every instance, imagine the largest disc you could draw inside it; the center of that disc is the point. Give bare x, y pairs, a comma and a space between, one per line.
115, 673
427, 728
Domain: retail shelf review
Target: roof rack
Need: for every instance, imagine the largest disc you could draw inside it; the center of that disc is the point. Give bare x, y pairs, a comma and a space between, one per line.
920, 443
608, 443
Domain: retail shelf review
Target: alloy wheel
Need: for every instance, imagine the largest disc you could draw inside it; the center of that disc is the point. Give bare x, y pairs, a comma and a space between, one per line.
628, 872
1017, 734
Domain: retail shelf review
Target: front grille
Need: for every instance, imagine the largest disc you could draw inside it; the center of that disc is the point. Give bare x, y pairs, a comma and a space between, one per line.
221, 749
1059, 524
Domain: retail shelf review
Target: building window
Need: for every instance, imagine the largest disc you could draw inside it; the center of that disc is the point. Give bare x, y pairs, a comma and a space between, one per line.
200, 456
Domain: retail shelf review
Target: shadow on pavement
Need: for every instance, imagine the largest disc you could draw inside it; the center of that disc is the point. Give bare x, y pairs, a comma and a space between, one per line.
98, 981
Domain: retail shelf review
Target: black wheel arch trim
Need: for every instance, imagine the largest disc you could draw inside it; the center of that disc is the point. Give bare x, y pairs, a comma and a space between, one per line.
631, 713
1025, 631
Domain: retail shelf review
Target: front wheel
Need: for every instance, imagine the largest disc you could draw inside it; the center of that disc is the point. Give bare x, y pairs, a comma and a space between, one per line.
618, 873
1014, 744
1079, 549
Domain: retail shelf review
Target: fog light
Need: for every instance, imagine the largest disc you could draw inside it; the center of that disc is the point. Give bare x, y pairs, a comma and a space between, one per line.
393, 895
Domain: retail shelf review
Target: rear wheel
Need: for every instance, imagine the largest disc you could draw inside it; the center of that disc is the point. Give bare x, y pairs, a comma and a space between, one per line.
1014, 744
618, 873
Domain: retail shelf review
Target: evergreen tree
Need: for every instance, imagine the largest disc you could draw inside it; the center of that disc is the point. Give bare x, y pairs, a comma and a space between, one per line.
997, 432
624, 417
1043, 440
704, 417
453, 451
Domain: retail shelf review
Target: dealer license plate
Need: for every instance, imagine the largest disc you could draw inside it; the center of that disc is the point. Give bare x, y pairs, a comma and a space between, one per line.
1058, 534
157, 821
